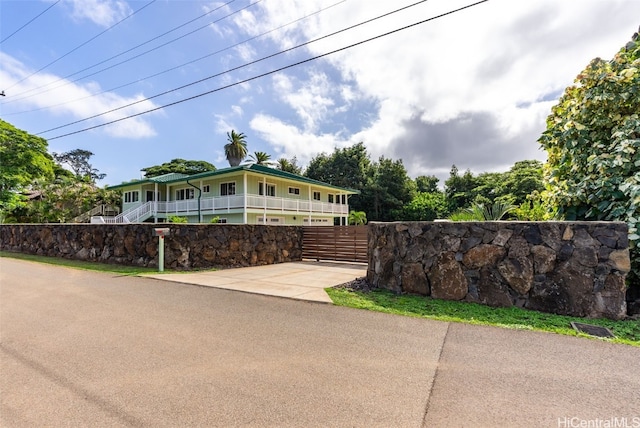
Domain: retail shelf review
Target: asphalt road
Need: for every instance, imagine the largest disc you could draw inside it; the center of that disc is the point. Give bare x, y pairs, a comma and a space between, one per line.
90, 349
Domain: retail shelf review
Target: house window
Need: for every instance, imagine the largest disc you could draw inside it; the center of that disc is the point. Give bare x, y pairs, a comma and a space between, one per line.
131, 197
330, 199
294, 190
271, 189
344, 199
228, 189
316, 196
182, 194
206, 189
149, 197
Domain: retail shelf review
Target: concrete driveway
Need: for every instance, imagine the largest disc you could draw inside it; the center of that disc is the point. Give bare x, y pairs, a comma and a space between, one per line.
305, 280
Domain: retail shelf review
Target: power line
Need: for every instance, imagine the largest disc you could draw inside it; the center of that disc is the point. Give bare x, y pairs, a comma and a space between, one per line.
183, 64
272, 71
82, 44
30, 21
122, 53
237, 68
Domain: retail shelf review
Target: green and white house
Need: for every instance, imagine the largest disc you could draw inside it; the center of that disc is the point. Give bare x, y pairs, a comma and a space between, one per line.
245, 194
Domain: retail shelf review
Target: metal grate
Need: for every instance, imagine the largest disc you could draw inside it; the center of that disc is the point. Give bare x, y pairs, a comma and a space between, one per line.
592, 330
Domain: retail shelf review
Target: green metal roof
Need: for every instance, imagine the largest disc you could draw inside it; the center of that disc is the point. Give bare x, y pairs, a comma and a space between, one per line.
258, 169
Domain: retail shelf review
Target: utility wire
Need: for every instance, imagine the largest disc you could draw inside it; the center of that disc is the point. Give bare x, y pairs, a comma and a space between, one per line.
272, 71
32, 19
122, 53
182, 65
236, 68
82, 44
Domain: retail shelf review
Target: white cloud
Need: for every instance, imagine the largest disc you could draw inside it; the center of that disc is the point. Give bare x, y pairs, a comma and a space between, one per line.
102, 12
311, 100
72, 101
288, 140
484, 78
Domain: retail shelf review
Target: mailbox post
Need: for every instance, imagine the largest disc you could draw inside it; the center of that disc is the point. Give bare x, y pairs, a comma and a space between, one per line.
160, 232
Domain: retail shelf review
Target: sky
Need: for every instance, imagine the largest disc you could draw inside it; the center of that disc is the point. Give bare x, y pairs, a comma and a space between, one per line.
434, 83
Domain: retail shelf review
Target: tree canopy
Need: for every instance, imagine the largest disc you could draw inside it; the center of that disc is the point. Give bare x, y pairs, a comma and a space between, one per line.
181, 166
593, 144
23, 159
78, 161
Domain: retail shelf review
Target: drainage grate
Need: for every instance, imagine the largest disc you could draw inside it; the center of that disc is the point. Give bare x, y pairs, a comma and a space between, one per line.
592, 330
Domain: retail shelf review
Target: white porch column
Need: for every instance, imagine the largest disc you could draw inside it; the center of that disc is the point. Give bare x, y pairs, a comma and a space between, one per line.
155, 203
310, 204
244, 210
264, 196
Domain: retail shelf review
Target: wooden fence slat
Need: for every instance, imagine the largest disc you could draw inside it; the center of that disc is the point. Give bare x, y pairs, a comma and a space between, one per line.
339, 243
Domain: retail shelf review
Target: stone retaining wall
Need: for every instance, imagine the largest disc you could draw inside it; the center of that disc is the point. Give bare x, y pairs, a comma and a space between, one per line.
186, 247
570, 268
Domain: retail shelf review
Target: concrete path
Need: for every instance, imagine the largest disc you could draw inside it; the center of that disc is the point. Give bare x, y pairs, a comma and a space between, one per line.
90, 349
304, 280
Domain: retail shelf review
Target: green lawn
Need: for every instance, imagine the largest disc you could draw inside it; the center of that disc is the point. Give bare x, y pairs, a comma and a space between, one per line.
100, 267
627, 332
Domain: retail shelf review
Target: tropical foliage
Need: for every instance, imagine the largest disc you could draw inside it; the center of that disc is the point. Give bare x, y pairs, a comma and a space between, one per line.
260, 158
426, 206
482, 212
35, 186
593, 144
357, 218
23, 159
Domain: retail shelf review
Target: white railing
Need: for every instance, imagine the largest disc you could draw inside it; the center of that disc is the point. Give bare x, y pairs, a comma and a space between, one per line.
225, 203
133, 215
294, 205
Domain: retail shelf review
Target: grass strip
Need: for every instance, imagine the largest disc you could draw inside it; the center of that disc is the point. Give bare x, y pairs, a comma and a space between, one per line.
78, 264
626, 332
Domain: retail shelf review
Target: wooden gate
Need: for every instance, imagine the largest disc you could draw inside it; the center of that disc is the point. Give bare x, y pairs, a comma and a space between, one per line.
340, 243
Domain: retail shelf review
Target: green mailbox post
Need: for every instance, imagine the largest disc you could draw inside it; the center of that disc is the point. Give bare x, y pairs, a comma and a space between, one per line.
160, 232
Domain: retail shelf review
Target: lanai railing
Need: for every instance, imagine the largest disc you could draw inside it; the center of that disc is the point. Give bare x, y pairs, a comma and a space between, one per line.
221, 204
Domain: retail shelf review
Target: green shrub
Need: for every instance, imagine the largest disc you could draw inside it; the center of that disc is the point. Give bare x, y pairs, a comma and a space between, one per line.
177, 219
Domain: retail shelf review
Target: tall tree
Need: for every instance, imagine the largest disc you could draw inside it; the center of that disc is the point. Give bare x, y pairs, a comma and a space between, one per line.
523, 180
78, 161
348, 167
236, 148
388, 190
593, 145
188, 167
459, 189
289, 165
23, 159
427, 183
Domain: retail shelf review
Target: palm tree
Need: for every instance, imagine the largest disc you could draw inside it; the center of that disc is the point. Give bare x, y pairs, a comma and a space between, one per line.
261, 158
236, 148
357, 218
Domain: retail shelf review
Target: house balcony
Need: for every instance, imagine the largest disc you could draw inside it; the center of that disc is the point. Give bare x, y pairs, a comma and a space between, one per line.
226, 204
223, 204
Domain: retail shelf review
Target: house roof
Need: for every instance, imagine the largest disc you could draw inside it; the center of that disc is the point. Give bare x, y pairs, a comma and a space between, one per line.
258, 169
